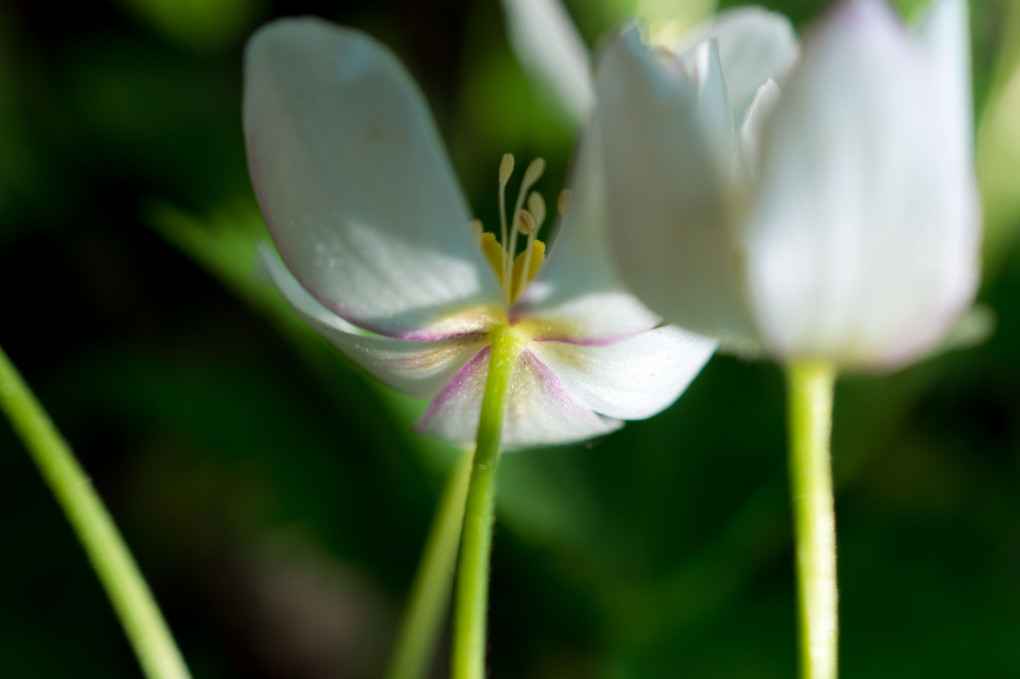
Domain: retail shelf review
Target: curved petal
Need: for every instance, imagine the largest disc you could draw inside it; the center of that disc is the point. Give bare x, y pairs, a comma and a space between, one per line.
668, 213
420, 369
862, 248
540, 411
714, 116
755, 45
944, 33
352, 179
754, 122
552, 52
631, 379
578, 295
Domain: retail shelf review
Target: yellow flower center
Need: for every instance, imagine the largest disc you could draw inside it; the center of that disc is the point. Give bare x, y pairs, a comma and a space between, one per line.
513, 269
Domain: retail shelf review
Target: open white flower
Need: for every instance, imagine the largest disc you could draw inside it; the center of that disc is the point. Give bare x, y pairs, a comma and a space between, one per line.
382, 258
830, 217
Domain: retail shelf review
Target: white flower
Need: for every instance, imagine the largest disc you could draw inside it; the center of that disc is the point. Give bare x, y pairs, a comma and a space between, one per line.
831, 216
376, 236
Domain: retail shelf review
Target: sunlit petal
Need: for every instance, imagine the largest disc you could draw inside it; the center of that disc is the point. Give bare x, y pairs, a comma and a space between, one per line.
541, 410
631, 379
353, 181
862, 246
668, 210
420, 369
755, 45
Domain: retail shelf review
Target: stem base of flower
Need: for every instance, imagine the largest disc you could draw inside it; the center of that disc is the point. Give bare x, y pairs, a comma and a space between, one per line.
469, 626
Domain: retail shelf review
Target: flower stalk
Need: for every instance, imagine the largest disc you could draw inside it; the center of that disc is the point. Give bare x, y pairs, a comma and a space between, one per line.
128, 593
469, 626
430, 592
810, 387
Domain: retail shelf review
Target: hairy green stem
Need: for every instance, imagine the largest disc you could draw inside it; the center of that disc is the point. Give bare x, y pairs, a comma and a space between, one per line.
117, 571
430, 592
468, 660
810, 387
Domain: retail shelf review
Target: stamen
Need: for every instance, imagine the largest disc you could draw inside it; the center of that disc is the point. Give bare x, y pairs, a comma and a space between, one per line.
526, 223
534, 171
536, 206
526, 269
531, 175
563, 202
506, 168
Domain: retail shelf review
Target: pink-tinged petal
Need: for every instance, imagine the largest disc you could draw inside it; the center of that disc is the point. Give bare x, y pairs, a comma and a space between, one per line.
578, 295
353, 181
669, 212
553, 53
631, 379
420, 369
541, 411
863, 243
755, 45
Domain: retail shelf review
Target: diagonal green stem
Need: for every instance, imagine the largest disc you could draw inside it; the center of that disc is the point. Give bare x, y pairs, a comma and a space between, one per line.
130, 596
468, 660
810, 387
430, 592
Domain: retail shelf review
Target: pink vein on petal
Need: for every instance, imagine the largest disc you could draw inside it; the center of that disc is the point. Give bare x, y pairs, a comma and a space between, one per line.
426, 336
591, 341
448, 392
555, 387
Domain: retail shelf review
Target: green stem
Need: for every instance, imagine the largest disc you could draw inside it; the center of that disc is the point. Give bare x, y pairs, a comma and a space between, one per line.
473, 570
810, 387
96, 531
430, 592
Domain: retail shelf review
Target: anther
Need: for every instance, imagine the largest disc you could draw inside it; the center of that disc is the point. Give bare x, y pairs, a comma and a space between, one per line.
536, 206
526, 222
531, 175
534, 171
506, 168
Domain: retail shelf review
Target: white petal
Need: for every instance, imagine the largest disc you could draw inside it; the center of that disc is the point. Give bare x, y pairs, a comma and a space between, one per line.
353, 181
668, 217
754, 123
578, 295
553, 53
540, 411
863, 246
944, 33
714, 115
755, 45
420, 369
631, 379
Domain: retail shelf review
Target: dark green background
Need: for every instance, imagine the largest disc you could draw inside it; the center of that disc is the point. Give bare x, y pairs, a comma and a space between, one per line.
277, 499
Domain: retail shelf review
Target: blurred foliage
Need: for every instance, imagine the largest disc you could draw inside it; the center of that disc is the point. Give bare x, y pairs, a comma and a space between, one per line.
277, 498
998, 142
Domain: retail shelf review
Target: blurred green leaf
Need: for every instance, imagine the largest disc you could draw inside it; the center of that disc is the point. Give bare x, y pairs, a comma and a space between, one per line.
998, 146
198, 24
